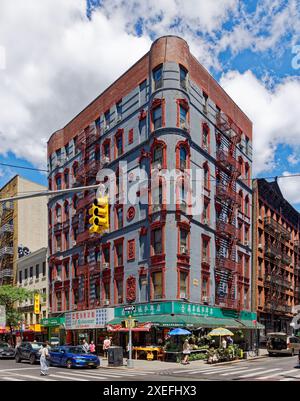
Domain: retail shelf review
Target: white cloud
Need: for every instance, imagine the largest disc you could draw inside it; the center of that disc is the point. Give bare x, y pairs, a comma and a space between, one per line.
293, 159
57, 61
290, 187
275, 114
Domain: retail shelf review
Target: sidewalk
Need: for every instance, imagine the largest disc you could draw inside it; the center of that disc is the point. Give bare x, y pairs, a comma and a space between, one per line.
141, 364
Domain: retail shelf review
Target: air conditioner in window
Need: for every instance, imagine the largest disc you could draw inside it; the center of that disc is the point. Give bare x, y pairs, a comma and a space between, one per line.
184, 125
183, 295
183, 250
205, 300
106, 302
105, 160
105, 266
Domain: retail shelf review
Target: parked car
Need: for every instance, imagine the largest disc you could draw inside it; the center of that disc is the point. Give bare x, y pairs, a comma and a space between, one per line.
6, 351
281, 343
54, 342
73, 357
28, 351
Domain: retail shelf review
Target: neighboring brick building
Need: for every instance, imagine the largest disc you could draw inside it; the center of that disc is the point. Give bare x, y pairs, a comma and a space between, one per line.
23, 224
276, 254
165, 112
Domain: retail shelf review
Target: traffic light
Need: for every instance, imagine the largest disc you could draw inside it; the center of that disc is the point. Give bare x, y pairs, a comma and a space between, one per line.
99, 213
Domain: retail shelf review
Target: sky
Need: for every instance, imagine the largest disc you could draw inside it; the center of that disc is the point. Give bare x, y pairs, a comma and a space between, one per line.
56, 56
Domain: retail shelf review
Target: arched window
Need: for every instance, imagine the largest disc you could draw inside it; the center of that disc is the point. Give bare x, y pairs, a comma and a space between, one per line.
58, 214
158, 155
182, 155
183, 158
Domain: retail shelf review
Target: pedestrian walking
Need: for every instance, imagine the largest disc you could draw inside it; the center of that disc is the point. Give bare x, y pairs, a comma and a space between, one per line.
85, 345
44, 360
186, 352
92, 348
224, 343
106, 345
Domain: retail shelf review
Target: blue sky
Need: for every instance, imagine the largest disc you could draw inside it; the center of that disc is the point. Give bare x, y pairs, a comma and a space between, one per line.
246, 45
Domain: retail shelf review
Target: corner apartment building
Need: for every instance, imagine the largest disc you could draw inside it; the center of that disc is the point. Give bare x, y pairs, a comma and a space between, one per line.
276, 257
32, 275
165, 112
23, 224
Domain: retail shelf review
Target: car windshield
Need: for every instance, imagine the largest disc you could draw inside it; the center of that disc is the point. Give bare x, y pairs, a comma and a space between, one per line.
4, 345
36, 345
76, 350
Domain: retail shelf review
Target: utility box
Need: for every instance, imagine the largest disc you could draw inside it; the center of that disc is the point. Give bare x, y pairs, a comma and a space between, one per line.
115, 356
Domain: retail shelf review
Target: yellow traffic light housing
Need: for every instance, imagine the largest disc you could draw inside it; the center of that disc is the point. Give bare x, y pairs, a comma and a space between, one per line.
99, 213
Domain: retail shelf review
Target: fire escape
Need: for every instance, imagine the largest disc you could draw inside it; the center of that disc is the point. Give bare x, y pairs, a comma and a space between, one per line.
297, 272
227, 203
6, 244
86, 173
275, 283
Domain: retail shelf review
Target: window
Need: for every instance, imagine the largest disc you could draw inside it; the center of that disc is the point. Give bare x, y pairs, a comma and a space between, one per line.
119, 145
183, 115
26, 274
58, 243
106, 119
31, 272
119, 212
205, 137
106, 149
157, 157
157, 285
206, 176
205, 250
58, 214
157, 241
183, 78
183, 285
119, 110
58, 301
67, 238
157, 78
106, 288
183, 157
37, 271
247, 208
119, 253
119, 291
130, 137
97, 124
66, 210
44, 268
183, 196
20, 276
247, 145
183, 241
118, 182
205, 105
106, 254
58, 182
67, 299
157, 197
157, 117
206, 211
143, 94
204, 288
66, 178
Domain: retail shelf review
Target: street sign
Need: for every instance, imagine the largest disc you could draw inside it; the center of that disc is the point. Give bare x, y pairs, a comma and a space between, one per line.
129, 308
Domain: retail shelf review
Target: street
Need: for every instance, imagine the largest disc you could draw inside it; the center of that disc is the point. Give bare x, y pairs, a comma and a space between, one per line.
266, 369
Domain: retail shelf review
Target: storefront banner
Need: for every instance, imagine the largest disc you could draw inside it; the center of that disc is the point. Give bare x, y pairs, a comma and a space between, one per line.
53, 322
90, 319
2, 317
182, 308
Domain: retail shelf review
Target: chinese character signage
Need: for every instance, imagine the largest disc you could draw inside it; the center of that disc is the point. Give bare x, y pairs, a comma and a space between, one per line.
2, 317
90, 319
37, 304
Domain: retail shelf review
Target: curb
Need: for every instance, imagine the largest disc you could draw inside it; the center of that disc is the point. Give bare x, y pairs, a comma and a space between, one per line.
238, 361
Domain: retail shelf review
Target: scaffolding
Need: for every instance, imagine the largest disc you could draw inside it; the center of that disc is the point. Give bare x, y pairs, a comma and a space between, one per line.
227, 269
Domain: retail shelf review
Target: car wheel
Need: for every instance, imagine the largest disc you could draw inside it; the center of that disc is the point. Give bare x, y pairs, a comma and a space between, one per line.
18, 359
69, 364
32, 359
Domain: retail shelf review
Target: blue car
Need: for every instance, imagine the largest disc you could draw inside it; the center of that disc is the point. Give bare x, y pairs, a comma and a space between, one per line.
73, 357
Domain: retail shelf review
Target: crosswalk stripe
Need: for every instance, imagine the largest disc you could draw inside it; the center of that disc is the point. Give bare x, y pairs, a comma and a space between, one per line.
221, 370
288, 379
41, 378
100, 377
13, 379
234, 372
193, 370
204, 371
69, 378
277, 374
254, 374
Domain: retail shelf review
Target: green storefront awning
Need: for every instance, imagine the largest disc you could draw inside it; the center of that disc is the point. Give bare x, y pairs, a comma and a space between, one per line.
249, 324
183, 321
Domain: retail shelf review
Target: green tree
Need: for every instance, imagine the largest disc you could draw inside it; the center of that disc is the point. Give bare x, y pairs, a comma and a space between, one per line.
9, 297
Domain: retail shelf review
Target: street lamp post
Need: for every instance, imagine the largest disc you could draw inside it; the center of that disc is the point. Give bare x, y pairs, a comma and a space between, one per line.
130, 361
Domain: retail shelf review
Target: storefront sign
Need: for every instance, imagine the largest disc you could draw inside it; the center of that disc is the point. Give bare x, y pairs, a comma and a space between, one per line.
37, 304
182, 308
90, 319
2, 317
53, 322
